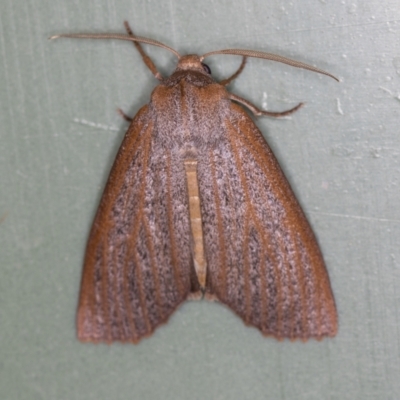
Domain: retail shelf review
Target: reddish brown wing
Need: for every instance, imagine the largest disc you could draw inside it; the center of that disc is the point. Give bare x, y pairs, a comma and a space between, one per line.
263, 259
138, 262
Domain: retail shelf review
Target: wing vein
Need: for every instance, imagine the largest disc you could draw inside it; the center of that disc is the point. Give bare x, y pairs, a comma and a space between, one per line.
134, 236
105, 297
221, 236
142, 296
118, 306
153, 261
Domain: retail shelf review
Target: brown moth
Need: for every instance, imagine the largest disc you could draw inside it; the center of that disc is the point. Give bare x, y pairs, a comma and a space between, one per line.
196, 206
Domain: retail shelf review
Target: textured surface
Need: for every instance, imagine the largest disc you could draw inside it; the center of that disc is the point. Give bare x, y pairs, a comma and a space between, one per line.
60, 133
270, 272
262, 258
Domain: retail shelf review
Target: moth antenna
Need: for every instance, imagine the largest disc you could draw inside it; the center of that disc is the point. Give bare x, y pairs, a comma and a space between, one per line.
116, 36
269, 56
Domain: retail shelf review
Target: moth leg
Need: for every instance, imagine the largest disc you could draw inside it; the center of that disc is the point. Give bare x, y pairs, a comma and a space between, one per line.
256, 111
124, 116
146, 59
227, 81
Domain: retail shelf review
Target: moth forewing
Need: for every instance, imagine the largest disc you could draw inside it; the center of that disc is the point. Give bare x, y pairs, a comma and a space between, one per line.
219, 220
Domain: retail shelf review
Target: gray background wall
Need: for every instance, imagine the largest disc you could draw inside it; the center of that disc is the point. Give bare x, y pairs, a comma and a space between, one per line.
59, 134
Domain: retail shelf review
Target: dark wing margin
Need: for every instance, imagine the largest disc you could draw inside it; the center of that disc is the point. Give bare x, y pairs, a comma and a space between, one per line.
137, 264
263, 259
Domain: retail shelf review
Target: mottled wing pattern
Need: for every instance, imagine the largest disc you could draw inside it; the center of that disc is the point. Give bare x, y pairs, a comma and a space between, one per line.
138, 261
263, 259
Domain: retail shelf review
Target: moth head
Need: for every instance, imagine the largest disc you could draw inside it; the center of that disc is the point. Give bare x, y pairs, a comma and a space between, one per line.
192, 62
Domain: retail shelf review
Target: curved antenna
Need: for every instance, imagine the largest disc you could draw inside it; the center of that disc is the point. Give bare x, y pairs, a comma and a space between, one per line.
268, 56
118, 37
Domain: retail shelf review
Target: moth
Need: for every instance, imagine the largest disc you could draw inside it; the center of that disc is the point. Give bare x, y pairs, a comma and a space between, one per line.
196, 206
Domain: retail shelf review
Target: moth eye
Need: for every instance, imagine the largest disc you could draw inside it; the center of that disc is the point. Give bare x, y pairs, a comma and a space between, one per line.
206, 68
